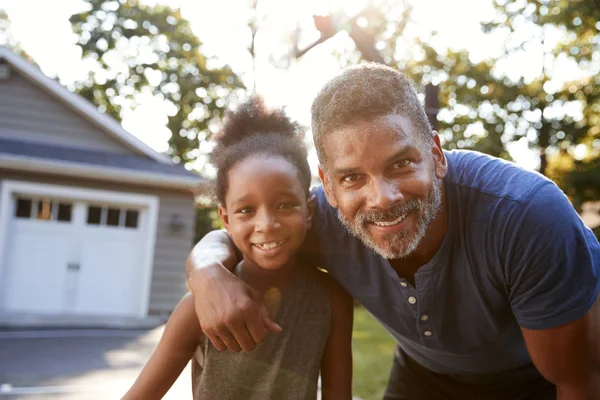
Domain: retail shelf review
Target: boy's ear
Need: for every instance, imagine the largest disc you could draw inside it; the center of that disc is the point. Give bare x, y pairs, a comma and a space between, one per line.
310, 207
224, 218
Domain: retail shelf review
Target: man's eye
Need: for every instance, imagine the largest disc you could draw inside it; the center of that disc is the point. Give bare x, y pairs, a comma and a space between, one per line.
351, 178
401, 163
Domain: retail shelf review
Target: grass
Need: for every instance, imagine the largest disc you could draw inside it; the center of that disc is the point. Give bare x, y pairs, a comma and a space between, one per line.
373, 348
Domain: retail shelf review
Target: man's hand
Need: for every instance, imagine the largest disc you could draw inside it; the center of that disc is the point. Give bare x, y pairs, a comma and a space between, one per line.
230, 312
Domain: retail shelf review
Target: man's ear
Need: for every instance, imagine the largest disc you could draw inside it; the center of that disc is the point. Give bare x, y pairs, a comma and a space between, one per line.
328, 188
439, 159
224, 218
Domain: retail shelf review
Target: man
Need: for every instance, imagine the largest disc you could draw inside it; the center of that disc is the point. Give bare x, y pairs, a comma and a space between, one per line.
482, 271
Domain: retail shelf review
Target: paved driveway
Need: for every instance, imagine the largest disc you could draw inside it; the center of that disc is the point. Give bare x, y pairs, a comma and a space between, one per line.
77, 364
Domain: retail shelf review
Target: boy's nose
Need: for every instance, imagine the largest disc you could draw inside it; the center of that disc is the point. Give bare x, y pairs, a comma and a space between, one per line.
266, 222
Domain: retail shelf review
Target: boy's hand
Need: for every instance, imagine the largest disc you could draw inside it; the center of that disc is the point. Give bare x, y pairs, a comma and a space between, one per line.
229, 311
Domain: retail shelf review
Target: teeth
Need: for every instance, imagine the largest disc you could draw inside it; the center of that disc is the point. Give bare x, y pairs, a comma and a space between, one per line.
268, 246
390, 223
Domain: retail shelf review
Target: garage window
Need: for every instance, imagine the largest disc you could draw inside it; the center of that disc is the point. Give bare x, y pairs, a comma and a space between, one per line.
64, 212
131, 219
112, 216
24, 207
43, 209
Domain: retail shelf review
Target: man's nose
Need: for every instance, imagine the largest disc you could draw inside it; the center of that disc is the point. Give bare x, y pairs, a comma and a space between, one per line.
384, 193
266, 221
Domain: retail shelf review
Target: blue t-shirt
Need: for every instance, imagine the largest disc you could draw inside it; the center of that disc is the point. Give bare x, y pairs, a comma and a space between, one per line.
515, 254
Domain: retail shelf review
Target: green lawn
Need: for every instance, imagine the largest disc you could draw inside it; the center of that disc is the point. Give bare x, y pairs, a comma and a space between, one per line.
373, 348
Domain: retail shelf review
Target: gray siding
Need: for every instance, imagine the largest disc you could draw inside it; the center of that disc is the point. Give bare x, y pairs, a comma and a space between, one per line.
171, 249
30, 113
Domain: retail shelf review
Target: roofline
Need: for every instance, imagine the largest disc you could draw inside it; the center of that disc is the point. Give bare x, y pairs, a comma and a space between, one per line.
80, 105
78, 170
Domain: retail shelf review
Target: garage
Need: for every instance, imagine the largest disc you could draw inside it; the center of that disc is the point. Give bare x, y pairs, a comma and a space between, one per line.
95, 225
74, 251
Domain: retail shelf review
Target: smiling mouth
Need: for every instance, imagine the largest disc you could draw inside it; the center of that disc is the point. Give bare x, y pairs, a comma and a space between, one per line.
268, 245
390, 223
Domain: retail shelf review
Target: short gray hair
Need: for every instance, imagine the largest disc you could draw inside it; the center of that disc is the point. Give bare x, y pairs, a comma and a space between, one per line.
361, 93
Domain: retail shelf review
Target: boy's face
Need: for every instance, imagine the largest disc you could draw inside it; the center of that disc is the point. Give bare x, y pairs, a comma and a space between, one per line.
266, 211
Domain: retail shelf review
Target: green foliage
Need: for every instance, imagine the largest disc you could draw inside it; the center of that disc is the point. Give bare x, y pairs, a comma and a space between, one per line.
577, 26
138, 49
207, 219
372, 351
583, 183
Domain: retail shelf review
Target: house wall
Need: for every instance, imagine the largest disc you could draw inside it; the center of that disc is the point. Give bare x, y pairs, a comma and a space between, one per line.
30, 113
171, 250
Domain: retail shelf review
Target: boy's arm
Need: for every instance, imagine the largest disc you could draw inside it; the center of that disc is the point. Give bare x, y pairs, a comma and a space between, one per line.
336, 366
230, 313
178, 343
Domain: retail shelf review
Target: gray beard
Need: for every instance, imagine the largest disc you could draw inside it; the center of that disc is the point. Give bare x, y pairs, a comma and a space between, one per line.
398, 245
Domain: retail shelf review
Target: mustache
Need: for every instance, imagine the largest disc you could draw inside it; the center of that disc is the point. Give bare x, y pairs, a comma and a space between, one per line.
389, 214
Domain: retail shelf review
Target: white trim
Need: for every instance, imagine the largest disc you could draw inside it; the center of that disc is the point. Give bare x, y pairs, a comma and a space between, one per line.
88, 171
81, 105
151, 203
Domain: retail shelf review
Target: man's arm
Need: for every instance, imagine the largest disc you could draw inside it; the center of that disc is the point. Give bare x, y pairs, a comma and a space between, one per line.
568, 356
215, 247
553, 272
229, 311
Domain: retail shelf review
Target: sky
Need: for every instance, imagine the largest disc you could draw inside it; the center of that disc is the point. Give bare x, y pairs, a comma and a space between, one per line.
222, 27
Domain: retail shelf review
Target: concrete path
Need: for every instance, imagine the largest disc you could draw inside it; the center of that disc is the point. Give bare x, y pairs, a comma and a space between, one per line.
77, 364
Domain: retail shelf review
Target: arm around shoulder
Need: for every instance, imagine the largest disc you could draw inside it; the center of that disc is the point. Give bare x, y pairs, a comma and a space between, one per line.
229, 312
214, 248
336, 365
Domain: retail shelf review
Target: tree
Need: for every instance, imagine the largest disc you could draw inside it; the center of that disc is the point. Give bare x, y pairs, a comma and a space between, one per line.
566, 33
138, 49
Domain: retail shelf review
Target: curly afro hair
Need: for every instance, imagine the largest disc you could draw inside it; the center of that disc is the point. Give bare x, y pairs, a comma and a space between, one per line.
255, 129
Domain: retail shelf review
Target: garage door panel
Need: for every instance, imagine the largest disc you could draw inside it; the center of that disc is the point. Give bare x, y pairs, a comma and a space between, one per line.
38, 271
109, 276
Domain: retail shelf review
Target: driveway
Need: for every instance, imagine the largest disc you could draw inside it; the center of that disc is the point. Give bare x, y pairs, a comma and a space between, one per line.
77, 364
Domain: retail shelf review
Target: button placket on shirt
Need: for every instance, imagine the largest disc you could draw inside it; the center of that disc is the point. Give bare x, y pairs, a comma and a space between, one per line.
409, 295
424, 322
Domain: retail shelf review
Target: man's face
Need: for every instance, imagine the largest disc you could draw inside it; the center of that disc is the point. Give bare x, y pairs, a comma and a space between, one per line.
385, 182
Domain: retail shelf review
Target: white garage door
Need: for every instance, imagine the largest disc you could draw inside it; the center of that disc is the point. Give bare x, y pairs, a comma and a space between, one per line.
74, 257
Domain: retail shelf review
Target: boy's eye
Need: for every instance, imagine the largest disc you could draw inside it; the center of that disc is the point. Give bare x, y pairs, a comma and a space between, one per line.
286, 205
245, 210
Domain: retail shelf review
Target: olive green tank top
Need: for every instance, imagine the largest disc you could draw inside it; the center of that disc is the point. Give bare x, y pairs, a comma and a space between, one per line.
286, 365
